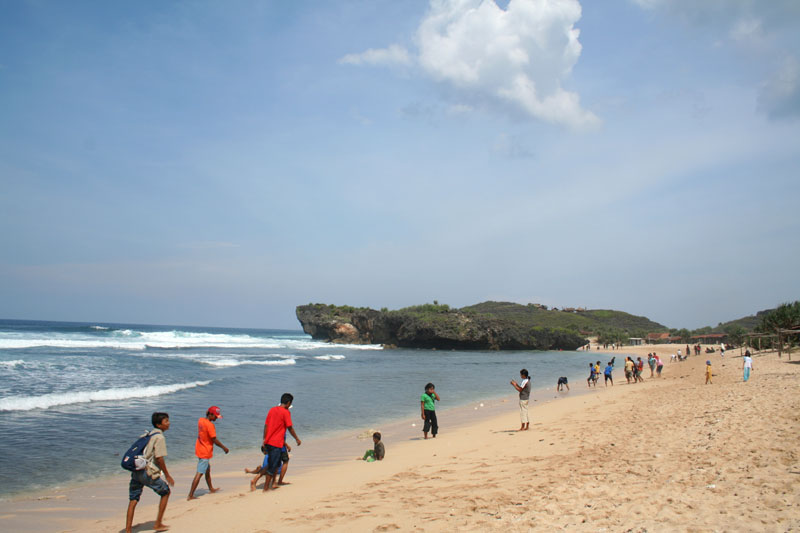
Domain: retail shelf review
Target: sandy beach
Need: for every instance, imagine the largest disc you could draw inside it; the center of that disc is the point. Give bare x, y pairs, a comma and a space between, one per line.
670, 454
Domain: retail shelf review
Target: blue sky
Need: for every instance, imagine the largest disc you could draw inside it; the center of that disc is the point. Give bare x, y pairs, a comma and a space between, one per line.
220, 163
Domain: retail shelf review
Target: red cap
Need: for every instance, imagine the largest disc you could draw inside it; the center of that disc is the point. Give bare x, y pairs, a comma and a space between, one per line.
214, 410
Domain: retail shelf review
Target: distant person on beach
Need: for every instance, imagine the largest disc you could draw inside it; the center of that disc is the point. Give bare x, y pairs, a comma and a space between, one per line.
562, 382
688, 352
428, 408
747, 365
659, 365
204, 448
651, 362
592, 379
277, 423
596, 371
378, 452
524, 389
150, 476
637, 370
607, 374
708, 372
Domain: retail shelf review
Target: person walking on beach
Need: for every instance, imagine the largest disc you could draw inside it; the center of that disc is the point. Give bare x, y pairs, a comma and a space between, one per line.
428, 408
637, 370
747, 365
659, 365
629, 364
524, 389
708, 372
607, 374
651, 362
150, 476
204, 449
277, 423
592, 379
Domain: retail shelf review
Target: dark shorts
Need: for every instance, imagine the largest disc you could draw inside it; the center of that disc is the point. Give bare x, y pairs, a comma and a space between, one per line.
561, 381
272, 459
140, 479
607, 376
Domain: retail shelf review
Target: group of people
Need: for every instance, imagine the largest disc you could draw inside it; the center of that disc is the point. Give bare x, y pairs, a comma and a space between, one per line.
275, 448
633, 370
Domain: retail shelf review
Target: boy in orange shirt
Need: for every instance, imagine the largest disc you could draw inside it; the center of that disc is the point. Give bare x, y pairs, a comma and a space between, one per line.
204, 448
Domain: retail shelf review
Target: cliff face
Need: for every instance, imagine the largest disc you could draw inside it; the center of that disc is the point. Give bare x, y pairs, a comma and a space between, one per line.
429, 327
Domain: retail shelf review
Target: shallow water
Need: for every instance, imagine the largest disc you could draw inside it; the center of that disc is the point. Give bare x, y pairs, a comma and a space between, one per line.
74, 396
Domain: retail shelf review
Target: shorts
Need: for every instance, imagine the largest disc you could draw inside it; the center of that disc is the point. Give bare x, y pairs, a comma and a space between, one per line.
628, 374
562, 381
607, 376
272, 460
140, 479
284, 455
202, 465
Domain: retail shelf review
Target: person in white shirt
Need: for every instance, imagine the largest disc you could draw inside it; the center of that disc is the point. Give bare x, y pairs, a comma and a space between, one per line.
524, 389
747, 365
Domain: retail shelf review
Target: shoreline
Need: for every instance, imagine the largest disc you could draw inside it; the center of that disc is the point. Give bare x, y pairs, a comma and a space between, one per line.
62, 506
395, 424
576, 446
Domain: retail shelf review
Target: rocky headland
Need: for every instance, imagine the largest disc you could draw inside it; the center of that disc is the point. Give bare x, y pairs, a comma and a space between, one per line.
434, 326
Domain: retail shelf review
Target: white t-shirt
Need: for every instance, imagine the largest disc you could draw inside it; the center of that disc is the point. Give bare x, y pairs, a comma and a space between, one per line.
748, 362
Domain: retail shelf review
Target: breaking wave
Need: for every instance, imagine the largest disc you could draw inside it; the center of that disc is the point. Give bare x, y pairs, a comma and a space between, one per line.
46, 401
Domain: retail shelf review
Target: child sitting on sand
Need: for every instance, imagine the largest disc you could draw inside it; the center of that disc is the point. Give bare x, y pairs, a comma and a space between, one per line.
378, 452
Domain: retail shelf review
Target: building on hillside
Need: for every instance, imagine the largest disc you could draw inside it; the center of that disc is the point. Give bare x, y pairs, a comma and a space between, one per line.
636, 341
569, 309
657, 338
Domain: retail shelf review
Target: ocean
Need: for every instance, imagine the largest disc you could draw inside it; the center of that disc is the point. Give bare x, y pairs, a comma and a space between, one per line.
74, 396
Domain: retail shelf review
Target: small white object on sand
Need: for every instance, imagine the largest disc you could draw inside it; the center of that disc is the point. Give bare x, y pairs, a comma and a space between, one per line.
413, 425
481, 405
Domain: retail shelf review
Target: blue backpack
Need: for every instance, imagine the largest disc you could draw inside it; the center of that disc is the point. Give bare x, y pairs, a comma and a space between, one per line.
133, 459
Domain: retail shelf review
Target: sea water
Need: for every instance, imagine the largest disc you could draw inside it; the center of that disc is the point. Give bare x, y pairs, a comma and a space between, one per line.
74, 396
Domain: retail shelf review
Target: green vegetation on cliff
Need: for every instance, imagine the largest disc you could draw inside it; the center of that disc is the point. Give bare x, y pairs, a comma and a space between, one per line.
591, 321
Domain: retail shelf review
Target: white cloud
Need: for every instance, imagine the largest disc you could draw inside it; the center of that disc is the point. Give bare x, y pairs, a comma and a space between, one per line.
780, 95
515, 58
392, 55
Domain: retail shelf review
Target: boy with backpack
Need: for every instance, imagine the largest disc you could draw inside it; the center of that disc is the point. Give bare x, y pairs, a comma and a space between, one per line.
154, 453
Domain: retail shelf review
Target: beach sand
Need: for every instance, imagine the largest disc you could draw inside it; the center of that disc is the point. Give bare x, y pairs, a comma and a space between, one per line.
670, 454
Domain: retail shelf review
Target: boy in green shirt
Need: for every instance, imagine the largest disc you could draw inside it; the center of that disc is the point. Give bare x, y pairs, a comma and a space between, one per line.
428, 409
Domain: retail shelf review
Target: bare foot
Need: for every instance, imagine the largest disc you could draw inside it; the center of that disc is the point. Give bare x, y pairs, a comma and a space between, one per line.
253, 485
191, 497
212, 491
160, 527
283, 483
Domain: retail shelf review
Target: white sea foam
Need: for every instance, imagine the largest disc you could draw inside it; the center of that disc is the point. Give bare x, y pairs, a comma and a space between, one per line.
126, 339
240, 362
99, 328
330, 357
12, 364
27, 403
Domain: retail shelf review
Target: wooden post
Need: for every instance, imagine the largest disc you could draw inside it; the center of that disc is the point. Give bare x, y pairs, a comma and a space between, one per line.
780, 344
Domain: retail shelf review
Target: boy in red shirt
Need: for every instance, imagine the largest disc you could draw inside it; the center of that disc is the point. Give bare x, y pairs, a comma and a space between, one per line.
278, 421
204, 448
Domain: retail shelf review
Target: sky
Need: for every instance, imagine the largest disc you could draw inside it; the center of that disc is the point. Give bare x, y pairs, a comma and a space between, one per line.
219, 163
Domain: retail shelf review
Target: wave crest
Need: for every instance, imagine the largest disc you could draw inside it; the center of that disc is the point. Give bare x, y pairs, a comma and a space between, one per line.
46, 401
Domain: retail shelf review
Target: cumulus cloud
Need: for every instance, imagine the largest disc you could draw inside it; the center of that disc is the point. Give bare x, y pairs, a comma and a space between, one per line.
780, 95
515, 58
392, 55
